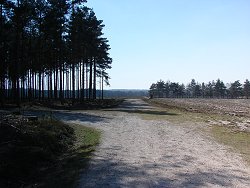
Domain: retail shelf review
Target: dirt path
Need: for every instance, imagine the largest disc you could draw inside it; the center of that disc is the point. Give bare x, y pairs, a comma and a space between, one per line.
143, 153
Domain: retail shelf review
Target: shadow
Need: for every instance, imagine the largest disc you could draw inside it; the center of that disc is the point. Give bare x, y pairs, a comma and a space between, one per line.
139, 107
78, 116
67, 169
134, 104
104, 172
148, 112
66, 116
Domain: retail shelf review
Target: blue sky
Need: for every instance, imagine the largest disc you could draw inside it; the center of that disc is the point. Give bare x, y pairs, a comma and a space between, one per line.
175, 40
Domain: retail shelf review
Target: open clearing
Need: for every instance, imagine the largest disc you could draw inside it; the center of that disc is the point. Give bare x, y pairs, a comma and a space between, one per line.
141, 148
235, 107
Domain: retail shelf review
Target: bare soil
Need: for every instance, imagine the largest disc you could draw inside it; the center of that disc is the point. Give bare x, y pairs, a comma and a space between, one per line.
135, 152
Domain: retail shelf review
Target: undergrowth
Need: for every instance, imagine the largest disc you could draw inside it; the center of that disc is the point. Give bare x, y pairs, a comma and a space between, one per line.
37, 153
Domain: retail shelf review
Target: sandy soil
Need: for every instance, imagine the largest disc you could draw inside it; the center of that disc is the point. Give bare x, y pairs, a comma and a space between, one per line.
149, 153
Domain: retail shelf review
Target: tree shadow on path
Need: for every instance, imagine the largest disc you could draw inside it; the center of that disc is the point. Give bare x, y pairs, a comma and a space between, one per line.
148, 112
110, 173
68, 116
80, 117
140, 107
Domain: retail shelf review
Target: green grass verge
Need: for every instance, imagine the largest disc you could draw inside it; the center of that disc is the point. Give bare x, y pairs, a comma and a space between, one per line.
239, 141
71, 164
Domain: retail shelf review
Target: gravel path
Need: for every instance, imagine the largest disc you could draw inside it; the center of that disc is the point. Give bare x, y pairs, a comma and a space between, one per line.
142, 153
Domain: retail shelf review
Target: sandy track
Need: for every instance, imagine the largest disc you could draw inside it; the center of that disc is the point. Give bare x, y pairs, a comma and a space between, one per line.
142, 153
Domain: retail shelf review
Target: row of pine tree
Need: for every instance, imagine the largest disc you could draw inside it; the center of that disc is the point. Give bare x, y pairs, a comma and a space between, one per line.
51, 49
213, 89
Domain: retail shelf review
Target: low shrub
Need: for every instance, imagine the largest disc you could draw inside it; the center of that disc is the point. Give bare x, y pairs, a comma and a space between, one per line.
28, 148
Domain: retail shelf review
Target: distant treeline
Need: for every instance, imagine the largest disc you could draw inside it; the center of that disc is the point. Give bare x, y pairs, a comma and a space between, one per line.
52, 46
125, 93
100, 94
212, 89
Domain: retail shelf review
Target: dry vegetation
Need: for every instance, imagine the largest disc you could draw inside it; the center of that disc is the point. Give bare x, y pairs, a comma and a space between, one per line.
228, 112
33, 153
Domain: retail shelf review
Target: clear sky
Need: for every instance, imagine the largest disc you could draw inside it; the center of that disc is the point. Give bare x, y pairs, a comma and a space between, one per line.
176, 40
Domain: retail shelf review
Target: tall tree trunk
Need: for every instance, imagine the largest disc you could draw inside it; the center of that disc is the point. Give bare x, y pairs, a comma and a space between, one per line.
73, 82
90, 79
29, 85
102, 84
87, 83
2, 69
43, 92
48, 84
94, 84
55, 82
33, 86
18, 92
79, 81
36, 86
51, 84
18, 56
70, 83
2, 90
82, 90
22, 89
39, 85
61, 84
9, 89
67, 84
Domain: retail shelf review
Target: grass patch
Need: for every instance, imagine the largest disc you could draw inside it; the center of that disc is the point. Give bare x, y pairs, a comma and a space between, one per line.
85, 136
45, 153
239, 141
75, 161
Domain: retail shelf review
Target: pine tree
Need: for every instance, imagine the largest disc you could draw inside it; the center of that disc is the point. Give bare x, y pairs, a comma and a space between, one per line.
220, 89
246, 88
209, 90
235, 89
5, 39
167, 88
41, 49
